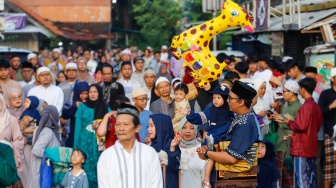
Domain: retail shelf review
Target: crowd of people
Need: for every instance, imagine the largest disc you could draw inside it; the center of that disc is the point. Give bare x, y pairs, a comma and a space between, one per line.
134, 118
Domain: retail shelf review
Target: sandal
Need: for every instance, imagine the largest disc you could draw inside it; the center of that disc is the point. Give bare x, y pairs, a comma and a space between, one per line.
206, 184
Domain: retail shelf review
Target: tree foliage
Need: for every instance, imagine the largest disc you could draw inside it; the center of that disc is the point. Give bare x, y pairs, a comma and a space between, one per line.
158, 19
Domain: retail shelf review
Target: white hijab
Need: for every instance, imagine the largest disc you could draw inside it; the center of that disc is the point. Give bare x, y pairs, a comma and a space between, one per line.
4, 115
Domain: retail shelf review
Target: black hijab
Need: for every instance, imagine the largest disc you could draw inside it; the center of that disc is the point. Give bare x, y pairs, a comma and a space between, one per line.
268, 171
100, 107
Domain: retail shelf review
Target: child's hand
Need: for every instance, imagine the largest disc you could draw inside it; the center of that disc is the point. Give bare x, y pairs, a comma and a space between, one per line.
184, 111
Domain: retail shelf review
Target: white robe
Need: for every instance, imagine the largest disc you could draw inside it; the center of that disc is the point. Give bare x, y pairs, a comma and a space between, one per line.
192, 168
53, 95
138, 169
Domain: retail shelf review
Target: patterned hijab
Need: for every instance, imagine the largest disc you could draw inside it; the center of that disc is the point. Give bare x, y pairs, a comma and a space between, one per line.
4, 114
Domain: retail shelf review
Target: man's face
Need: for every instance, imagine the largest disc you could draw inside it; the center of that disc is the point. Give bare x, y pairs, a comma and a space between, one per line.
287, 94
71, 73
253, 66
139, 65
124, 127
27, 74
233, 101
45, 78
81, 65
262, 65
126, 57
163, 89
33, 61
86, 55
141, 101
107, 74
4, 72
15, 63
55, 55
157, 56
126, 71
311, 75
231, 66
293, 72
149, 79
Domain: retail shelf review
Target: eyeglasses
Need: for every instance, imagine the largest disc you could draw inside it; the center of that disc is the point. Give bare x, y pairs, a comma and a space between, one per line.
285, 91
16, 98
143, 99
232, 98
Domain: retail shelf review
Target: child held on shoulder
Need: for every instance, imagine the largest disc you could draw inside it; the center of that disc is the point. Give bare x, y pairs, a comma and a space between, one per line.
180, 91
219, 117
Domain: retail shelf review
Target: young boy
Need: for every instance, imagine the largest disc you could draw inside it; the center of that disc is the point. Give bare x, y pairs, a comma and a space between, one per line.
180, 92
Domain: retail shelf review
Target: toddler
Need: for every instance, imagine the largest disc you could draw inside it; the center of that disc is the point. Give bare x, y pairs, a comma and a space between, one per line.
219, 117
30, 118
76, 176
268, 175
180, 92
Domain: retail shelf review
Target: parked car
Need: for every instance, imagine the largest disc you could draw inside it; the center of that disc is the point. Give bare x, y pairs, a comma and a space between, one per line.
6, 52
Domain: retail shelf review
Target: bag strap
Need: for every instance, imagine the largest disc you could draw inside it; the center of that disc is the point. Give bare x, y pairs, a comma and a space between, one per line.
44, 157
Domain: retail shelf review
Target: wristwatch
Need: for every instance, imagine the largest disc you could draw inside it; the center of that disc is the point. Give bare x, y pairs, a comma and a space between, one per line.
206, 154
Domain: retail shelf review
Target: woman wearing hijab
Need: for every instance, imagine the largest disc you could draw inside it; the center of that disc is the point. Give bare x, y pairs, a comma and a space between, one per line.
160, 130
10, 131
8, 173
268, 175
191, 166
15, 102
81, 93
85, 139
164, 72
46, 136
28, 121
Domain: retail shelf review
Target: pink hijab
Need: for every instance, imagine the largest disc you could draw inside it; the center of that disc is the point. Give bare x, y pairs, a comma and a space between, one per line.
4, 114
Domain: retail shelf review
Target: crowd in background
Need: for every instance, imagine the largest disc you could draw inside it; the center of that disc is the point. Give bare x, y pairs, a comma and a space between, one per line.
83, 99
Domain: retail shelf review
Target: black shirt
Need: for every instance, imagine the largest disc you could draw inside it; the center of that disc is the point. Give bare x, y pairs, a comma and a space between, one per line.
329, 116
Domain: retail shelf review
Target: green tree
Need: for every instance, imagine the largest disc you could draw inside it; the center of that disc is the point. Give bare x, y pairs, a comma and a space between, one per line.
159, 20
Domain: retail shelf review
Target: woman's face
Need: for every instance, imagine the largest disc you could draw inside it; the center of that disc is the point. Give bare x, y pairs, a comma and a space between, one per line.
93, 94
103, 59
75, 55
188, 131
61, 77
16, 99
27, 103
151, 129
164, 70
84, 95
262, 90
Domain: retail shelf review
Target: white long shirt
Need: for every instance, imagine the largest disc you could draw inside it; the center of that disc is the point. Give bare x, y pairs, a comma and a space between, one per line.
129, 85
138, 169
53, 95
192, 168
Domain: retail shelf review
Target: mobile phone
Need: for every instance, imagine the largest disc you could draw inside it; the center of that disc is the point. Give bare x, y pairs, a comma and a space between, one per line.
269, 112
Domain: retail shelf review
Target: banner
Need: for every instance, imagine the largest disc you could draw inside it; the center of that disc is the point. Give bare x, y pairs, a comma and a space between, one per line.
14, 21
262, 15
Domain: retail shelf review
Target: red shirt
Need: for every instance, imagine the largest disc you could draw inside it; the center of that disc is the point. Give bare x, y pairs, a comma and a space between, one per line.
306, 125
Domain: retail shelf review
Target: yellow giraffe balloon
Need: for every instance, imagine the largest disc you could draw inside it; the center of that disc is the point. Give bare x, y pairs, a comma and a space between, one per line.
193, 44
